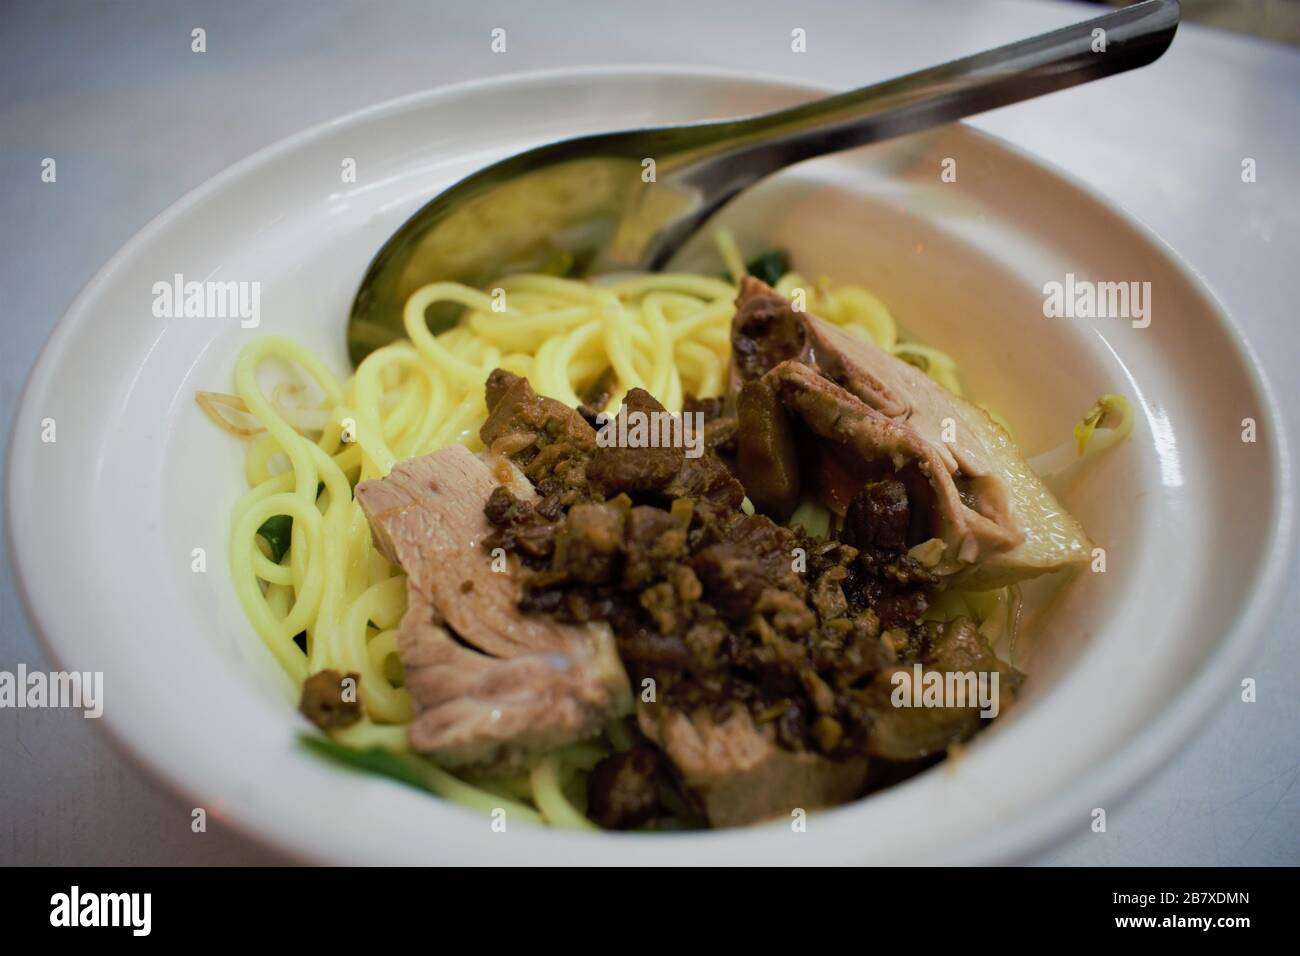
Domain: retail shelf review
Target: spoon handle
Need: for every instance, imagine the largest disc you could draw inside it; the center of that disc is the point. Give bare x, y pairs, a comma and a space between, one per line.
751, 148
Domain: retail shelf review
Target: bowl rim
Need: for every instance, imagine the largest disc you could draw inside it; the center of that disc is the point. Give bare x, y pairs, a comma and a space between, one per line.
1115, 777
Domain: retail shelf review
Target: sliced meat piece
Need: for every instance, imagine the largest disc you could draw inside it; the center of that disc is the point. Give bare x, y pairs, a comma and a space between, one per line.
876, 441
428, 517
767, 459
648, 464
910, 733
765, 332
739, 773
483, 712
544, 437
999, 522
665, 471
709, 482
492, 686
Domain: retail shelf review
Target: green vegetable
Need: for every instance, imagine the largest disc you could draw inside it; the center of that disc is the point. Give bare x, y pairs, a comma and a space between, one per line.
376, 760
418, 773
769, 266
277, 532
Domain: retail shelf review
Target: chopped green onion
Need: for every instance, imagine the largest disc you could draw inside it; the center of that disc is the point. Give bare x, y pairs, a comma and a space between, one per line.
277, 532
769, 266
419, 773
377, 760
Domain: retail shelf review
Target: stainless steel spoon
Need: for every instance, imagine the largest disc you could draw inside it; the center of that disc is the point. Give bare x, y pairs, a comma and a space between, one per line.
584, 206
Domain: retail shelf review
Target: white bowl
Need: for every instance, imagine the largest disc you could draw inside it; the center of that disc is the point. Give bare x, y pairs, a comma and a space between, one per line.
1195, 522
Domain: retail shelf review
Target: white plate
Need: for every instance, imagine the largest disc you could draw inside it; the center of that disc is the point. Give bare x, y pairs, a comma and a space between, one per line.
1195, 522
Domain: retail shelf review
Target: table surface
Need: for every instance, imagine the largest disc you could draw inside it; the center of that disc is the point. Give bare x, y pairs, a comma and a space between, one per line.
135, 119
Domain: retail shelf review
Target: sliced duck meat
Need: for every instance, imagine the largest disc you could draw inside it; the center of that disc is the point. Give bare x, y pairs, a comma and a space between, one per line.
871, 444
913, 732
648, 464
767, 458
492, 686
547, 439
875, 416
709, 483
739, 773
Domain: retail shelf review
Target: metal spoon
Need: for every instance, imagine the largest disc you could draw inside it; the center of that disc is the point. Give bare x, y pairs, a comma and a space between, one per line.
583, 206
